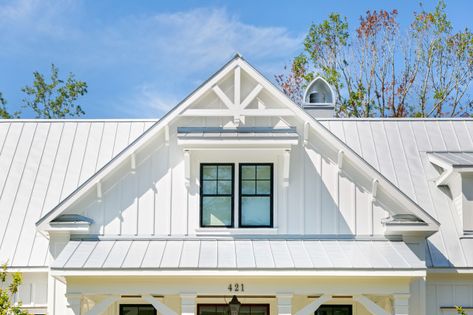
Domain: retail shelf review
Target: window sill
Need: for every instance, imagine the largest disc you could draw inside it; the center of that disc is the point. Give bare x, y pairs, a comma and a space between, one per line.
236, 231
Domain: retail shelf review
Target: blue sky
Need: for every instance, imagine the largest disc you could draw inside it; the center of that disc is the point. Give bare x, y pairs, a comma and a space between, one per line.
140, 58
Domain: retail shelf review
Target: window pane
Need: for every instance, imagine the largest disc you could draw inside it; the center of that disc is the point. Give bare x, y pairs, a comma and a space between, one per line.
224, 187
147, 310
248, 172
258, 310
209, 187
263, 172
216, 211
130, 310
263, 187
225, 172
209, 172
245, 310
248, 187
255, 211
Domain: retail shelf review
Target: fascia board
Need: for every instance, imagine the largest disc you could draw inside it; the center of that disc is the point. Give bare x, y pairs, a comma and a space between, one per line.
240, 273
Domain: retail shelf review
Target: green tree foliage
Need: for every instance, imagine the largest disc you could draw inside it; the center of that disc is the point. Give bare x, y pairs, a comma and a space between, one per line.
9, 284
54, 99
380, 70
460, 310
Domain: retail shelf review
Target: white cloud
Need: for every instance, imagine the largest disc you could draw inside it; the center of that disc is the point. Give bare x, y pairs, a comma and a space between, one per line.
185, 47
32, 18
150, 60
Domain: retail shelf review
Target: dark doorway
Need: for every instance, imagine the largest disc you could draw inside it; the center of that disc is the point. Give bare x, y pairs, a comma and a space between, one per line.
334, 310
222, 309
137, 309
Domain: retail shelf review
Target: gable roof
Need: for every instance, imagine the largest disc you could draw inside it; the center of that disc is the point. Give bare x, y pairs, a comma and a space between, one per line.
326, 135
400, 149
42, 161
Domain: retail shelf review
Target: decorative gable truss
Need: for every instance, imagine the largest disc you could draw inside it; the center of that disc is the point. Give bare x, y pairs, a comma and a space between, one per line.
239, 92
239, 96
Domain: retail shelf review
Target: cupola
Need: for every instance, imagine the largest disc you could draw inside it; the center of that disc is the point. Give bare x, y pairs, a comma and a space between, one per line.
319, 99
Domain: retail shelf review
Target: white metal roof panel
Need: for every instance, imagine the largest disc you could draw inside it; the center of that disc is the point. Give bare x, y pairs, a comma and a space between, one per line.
43, 161
455, 159
269, 254
401, 153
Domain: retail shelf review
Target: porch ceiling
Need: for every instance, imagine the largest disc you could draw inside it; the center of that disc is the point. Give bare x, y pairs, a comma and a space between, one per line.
237, 254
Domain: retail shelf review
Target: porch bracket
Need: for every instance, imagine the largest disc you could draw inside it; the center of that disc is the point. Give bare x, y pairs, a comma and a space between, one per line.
313, 306
103, 305
162, 308
371, 306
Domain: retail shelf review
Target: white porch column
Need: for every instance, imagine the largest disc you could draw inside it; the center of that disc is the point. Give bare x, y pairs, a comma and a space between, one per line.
73, 303
188, 303
401, 304
284, 303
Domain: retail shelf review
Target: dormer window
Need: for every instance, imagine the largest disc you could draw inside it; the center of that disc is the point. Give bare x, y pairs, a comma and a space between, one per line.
255, 195
216, 195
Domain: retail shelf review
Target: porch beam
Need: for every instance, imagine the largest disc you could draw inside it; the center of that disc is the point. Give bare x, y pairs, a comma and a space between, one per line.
162, 308
103, 305
371, 306
313, 306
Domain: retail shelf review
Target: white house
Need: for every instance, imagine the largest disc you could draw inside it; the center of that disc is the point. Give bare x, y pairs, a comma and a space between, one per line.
238, 191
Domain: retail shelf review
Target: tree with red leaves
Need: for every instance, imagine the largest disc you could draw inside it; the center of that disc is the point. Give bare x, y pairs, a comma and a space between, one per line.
382, 71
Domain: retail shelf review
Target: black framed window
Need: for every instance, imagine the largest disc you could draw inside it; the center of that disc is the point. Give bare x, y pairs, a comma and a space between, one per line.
334, 310
256, 195
223, 309
137, 309
216, 195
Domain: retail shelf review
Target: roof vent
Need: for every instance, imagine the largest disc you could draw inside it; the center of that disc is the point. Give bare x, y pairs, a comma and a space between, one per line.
319, 100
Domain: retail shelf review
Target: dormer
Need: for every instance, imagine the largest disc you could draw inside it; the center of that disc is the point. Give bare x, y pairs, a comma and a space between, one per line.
456, 173
319, 99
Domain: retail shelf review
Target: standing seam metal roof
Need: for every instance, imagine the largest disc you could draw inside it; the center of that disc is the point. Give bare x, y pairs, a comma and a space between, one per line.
237, 254
399, 150
43, 161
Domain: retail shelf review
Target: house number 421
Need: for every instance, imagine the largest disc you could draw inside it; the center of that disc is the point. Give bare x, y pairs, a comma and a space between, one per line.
236, 287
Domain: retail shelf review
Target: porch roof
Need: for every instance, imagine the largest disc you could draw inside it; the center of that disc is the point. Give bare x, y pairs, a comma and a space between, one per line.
237, 254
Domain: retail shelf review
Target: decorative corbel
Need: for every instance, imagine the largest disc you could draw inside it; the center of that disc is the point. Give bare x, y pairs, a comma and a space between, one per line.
133, 163
166, 135
340, 157
286, 166
374, 188
306, 133
99, 191
187, 168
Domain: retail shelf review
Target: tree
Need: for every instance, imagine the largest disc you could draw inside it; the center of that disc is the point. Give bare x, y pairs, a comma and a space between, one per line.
8, 288
460, 310
379, 70
3, 109
54, 99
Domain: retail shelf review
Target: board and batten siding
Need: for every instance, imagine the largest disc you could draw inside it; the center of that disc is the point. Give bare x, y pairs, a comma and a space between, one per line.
153, 199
